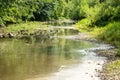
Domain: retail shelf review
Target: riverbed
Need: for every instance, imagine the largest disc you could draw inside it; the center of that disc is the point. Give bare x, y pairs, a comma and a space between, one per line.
58, 58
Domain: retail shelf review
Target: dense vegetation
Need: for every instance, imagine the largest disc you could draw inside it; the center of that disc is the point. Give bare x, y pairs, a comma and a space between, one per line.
103, 20
90, 13
14, 11
95, 12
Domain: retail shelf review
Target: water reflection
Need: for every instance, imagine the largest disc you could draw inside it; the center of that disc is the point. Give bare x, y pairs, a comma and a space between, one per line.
21, 59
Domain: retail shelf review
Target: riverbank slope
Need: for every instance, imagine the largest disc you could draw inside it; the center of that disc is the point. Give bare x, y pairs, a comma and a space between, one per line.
107, 34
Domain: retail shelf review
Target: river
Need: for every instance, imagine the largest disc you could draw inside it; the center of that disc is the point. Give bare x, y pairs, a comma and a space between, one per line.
50, 59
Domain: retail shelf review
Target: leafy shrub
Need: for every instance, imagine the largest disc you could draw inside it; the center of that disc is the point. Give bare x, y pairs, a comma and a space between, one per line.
111, 34
83, 25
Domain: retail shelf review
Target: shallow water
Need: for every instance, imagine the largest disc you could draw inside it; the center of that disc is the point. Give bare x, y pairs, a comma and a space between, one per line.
24, 59
88, 69
61, 58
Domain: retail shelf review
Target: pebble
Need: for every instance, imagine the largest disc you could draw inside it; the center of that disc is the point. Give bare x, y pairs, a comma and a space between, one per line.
89, 62
95, 69
98, 64
86, 73
92, 76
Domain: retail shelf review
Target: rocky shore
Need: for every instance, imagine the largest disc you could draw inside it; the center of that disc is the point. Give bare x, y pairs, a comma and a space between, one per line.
43, 33
111, 69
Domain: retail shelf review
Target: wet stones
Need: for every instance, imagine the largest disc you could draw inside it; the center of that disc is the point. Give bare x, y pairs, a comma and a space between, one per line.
41, 33
98, 64
89, 62
8, 35
1, 36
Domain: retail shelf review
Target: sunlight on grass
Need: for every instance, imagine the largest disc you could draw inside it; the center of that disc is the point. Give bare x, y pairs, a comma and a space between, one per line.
82, 25
113, 67
28, 26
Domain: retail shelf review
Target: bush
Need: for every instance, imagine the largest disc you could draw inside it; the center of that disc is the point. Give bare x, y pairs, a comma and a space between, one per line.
83, 25
111, 34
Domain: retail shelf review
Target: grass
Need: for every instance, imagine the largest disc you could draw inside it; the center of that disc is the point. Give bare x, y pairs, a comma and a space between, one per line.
115, 65
112, 70
26, 26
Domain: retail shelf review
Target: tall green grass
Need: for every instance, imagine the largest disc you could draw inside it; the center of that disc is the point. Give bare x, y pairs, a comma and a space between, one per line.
26, 26
22, 26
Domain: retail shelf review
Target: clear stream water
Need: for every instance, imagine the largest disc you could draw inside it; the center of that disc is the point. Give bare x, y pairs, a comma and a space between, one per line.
49, 59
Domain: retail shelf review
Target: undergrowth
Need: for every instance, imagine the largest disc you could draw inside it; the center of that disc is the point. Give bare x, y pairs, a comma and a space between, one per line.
82, 25
109, 33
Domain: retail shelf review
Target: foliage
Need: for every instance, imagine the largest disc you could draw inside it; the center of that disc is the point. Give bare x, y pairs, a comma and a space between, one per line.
109, 33
98, 13
14, 11
102, 19
83, 25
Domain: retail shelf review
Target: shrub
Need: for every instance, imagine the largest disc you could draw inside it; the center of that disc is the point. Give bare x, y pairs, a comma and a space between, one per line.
83, 25
111, 34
